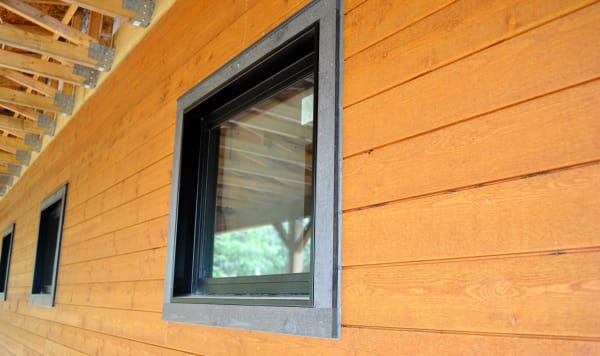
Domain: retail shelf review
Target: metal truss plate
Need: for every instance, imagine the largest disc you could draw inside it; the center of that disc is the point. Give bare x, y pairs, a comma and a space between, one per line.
6, 179
47, 123
14, 169
144, 8
90, 75
34, 141
103, 54
65, 102
24, 156
3, 190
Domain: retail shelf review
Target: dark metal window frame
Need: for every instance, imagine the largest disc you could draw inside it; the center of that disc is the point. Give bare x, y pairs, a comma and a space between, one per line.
321, 317
295, 60
9, 233
43, 299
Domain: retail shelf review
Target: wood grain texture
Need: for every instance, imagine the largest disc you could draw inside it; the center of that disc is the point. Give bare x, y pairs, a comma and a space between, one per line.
554, 131
549, 58
376, 19
147, 235
147, 207
548, 212
543, 295
456, 31
137, 266
116, 155
136, 295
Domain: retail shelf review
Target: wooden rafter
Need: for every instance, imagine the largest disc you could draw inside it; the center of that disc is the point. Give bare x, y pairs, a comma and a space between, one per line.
28, 100
17, 109
7, 172
113, 8
47, 22
40, 67
20, 125
9, 158
28, 82
45, 45
15, 143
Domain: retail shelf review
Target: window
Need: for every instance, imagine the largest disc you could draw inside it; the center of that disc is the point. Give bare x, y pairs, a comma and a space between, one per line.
47, 254
253, 236
5, 259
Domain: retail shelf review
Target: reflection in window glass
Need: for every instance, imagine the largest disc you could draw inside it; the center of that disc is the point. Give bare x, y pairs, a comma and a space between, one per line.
263, 220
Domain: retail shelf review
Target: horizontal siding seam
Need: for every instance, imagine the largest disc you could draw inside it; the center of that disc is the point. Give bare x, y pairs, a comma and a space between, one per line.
476, 333
115, 336
471, 118
514, 255
114, 208
477, 185
397, 30
460, 58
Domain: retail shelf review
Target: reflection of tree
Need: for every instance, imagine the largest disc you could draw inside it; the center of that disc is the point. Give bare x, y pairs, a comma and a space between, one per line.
295, 239
262, 250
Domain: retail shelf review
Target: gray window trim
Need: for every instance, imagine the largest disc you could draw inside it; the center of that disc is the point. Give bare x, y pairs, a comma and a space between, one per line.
8, 231
47, 300
323, 318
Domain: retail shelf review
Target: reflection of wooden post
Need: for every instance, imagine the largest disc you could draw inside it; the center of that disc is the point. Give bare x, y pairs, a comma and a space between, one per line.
295, 240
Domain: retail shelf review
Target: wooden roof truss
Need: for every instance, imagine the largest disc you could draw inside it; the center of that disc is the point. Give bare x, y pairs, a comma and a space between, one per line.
49, 49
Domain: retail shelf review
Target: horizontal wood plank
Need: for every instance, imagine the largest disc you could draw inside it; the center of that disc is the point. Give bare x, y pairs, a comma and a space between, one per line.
146, 208
548, 212
376, 19
554, 131
137, 266
137, 295
149, 179
147, 235
543, 295
456, 31
549, 58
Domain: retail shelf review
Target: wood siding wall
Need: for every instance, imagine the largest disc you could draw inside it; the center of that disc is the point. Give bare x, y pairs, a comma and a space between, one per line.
471, 140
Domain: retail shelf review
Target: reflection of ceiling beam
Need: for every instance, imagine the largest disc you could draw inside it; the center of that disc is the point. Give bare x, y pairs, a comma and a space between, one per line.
29, 100
31, 65
291, 191
28, 82
285, 175
296, 157
280, 127
45, 45
48, 22
112, 8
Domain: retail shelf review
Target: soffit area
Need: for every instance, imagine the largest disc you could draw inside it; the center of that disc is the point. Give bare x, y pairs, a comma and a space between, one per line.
53, 55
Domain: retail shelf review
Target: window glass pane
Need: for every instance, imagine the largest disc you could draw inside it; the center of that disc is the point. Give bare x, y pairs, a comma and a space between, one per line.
48, 240
263, 209
4, 262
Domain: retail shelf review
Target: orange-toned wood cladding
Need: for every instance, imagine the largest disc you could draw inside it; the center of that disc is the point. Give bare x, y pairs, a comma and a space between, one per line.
470, 186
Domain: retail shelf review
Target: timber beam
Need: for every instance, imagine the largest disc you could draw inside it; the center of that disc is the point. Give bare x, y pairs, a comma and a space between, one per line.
96, 56
60, 103
11, 170
138, 12
49, 23
17, 109
31, 142
77, 75
21, 125
9, 158
28, 82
